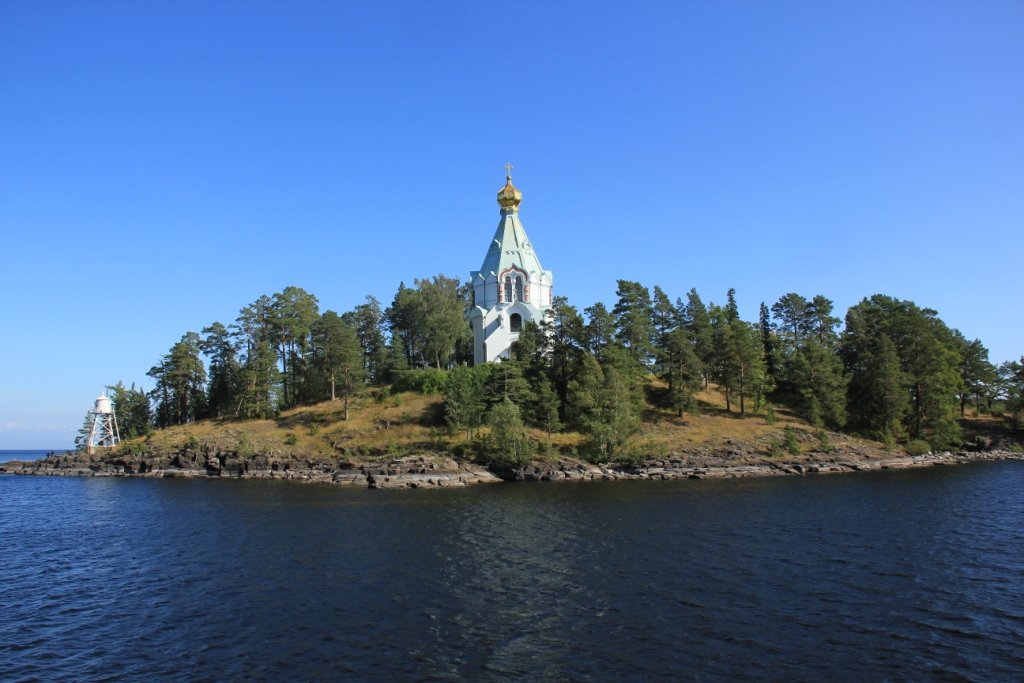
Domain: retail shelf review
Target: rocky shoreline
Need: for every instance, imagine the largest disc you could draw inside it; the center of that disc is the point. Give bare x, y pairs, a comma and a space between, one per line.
441, 471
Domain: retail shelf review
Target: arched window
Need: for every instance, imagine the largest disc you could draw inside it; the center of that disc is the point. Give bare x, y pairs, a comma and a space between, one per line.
508, 288
519, 288
515, 322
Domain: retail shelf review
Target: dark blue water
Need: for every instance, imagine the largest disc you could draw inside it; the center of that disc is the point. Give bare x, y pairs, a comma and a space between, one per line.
902, 575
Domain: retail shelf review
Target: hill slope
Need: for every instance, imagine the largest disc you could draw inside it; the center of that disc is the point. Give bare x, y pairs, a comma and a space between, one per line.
381, 424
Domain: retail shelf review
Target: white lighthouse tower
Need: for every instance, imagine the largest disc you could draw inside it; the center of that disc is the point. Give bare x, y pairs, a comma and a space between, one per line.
511, 288
103, 433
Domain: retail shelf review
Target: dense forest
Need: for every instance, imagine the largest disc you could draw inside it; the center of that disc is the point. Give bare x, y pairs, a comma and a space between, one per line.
893, 372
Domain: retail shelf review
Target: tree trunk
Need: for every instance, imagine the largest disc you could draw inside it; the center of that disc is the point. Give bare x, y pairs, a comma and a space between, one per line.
348, 390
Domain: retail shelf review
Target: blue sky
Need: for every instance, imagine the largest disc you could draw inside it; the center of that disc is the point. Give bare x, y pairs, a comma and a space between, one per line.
164, 164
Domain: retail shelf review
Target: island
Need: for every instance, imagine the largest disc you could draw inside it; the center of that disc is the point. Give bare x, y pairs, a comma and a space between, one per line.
400, 440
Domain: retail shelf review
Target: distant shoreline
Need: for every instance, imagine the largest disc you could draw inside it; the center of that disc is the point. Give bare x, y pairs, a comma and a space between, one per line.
439, 471
9, 454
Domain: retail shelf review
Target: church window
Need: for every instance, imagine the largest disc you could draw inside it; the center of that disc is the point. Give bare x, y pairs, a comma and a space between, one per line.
515, 322
508, 288
519, 288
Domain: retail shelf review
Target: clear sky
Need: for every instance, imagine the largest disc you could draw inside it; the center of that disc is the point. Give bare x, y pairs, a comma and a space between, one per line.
164, 164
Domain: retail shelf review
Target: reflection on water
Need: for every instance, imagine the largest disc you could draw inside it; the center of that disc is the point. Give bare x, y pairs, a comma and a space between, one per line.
883, 575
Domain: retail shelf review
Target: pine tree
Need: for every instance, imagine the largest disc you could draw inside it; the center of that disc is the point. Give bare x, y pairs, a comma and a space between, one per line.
338, 356
367, 319
600, 328
820, 386
877, 388
732, 311
605, 401
444, 324
180, 384
567, 332
1011, 390
82, 437
294, 312
697, 322
404, 318
508, 440
791, 312
506, 381
725, 361
464, 403
633, 320
225, 370
748, 356
929, 367
544, 411
683, 370
977, 374
770, 345
131, 410
810, 374
664, 319
260, 379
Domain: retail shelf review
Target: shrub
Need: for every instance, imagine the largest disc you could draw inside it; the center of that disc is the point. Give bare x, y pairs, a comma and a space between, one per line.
918, 447
129, 448
824, 442
945, 435
245, 448
425, 381
463, 451
508, 441
291, 439
632, 456
790, 441
591, 451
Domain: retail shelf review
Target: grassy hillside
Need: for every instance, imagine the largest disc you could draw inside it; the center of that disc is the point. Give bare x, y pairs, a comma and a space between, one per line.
381, 423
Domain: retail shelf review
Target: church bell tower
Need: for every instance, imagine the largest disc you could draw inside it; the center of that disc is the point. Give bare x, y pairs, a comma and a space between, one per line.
511, 288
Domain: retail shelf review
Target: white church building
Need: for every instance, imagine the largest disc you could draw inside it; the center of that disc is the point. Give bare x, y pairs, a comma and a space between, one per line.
511, 288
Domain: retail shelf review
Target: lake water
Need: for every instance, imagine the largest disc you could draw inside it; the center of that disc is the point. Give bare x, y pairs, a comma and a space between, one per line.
875, 576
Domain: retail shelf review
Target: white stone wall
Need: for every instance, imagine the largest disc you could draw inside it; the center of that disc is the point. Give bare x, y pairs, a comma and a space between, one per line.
492, 330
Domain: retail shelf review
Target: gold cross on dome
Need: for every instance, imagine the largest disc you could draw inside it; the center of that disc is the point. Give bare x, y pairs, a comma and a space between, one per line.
508, 170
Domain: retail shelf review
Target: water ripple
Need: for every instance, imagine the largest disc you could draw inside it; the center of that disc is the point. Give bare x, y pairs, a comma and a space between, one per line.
876, 576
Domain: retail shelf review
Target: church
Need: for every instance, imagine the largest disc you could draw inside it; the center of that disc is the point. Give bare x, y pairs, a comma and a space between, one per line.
511, 288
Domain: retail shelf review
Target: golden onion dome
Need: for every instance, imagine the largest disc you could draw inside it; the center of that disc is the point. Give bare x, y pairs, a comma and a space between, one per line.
509, 196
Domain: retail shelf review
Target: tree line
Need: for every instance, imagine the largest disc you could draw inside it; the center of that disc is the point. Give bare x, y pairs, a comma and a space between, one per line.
893, 371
